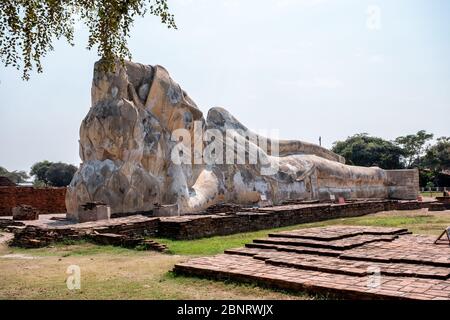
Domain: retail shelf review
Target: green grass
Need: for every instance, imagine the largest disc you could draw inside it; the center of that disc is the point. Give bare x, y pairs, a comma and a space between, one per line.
431, 194
416, 221
74, 248
187, 280
110, 274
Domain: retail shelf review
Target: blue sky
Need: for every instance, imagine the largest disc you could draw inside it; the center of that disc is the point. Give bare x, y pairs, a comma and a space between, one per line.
307, 68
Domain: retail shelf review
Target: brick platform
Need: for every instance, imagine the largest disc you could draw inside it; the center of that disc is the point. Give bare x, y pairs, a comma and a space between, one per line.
346, 261
45, 232
207, 225
197, 226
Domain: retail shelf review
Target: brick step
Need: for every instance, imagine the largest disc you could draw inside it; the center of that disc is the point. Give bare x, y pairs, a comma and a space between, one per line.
127, 241
361, 254
247, 269
342, 244
426, 260
153, 245
412, 249
302, 266
337, 232
246, 251
340, 266
297, 249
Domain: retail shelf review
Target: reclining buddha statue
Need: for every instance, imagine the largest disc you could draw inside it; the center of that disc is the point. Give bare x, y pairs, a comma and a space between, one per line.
145, 143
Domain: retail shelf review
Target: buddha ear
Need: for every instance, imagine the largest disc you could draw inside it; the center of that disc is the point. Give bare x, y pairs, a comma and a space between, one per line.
196, 113
134, 97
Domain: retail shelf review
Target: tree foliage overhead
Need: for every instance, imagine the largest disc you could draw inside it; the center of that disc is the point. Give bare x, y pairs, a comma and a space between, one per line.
29, 27
363, 150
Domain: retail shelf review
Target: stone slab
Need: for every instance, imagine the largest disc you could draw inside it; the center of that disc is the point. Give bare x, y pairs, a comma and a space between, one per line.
337, 232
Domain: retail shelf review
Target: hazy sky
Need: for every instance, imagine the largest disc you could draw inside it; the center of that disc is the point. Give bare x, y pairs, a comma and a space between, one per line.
308, 68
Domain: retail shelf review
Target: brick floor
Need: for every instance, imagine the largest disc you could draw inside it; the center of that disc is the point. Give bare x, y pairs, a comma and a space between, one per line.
351, 262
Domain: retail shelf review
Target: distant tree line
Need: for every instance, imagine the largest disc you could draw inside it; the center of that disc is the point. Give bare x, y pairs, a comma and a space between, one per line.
56, 174
405, 152
45, 173
15, 176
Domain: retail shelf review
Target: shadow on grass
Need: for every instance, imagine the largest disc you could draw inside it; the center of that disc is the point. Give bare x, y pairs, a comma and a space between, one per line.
171, 275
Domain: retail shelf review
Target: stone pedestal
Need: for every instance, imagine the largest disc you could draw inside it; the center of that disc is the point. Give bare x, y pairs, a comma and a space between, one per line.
25, 212
168, 210
93, 211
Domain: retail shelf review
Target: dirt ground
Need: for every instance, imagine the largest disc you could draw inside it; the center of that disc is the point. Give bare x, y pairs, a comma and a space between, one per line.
109, 273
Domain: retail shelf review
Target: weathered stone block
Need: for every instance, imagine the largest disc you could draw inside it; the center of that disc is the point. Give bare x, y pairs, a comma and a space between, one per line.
93, 211
403, 184
169, 210
25, 212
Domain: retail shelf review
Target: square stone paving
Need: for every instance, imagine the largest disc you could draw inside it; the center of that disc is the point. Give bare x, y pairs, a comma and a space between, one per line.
345, 261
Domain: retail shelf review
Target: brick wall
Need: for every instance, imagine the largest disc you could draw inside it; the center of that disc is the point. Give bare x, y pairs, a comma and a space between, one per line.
192, 227
47, 200
198, 226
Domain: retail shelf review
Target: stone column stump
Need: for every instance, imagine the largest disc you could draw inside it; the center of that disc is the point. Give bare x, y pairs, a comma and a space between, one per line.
93, 211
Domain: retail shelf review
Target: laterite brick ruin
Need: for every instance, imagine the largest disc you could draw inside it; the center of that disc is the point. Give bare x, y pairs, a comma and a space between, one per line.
345, 261
130, 188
